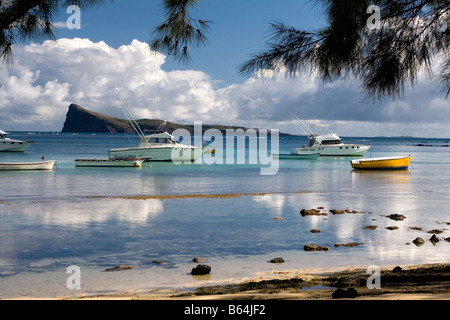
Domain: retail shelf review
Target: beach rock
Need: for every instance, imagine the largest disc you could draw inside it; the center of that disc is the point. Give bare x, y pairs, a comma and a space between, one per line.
391, 228
370, 227
159, 262
198, 260
315, 247
336, 211
278, 218
397, 217
397, 269
277, 260
201, 269
435, 231
418, 241
351, 244
434, 239
119, 268
342, 294
315, 231
312, 212
447, 239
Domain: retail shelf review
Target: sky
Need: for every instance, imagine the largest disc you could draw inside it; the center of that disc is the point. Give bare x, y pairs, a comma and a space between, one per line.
109, 60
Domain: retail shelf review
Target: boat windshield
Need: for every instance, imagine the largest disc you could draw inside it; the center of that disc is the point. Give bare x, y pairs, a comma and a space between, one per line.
331, 142
161, 140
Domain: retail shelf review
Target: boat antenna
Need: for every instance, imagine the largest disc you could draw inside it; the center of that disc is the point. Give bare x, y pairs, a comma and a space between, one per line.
161, 126
304, 127
131, 119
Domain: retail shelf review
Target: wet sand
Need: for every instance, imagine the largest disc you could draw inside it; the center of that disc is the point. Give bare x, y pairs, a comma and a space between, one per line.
424, 282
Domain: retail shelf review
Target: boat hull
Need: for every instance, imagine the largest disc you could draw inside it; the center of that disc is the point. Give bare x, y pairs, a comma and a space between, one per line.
392, 163
351, 150
174, 154
19, 166
16, 146
306, 156
137, 163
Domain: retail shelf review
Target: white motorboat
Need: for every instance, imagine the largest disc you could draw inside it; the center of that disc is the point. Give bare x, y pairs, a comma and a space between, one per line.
137, 163
159, 146
12, 145
19, 166
329, 144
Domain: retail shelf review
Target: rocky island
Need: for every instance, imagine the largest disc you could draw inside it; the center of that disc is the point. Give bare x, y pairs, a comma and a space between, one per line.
81, 120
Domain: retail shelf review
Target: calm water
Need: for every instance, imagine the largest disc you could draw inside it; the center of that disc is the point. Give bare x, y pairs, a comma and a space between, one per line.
52, 220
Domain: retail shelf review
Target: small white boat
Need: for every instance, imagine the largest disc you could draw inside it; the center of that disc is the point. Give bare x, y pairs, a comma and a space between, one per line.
137, 163
295, 156
17, 166
12, 145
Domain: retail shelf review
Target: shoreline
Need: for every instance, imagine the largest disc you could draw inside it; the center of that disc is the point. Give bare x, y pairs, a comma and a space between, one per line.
416, 282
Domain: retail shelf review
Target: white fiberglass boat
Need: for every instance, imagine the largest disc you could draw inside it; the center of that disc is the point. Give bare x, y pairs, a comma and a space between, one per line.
12, 145
19, 166
137, 163
329, 144
159, 146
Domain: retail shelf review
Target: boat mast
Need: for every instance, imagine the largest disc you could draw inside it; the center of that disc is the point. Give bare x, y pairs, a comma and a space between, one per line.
304, 127
132, 121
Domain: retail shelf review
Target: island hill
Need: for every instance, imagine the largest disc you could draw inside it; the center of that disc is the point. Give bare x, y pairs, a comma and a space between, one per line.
81, 120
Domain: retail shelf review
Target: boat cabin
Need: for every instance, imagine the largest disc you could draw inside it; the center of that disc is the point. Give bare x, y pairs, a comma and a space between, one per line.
157, 139
325, 140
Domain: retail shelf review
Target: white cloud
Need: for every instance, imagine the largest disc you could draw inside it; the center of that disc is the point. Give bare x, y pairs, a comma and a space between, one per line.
46, 78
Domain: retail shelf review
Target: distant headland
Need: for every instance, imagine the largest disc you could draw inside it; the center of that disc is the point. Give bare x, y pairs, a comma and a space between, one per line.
81, 120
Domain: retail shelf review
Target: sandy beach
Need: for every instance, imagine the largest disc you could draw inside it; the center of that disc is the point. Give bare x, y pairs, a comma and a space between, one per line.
420, 282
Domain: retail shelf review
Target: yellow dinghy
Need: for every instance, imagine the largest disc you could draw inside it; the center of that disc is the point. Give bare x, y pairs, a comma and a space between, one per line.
386, 163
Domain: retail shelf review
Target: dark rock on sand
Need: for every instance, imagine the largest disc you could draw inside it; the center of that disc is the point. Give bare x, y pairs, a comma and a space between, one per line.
370, 227
159, 262
392, 228
314, 231
447, 239
119, 268
434, 239
315, 247
341, 293
201, 269
418, 241
312, 212
277, 260
435, 231
397, 217
198, 260
397, 269
351, 244
336, 211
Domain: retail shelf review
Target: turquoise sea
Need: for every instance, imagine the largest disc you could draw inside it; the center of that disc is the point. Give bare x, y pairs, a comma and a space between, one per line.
75, 216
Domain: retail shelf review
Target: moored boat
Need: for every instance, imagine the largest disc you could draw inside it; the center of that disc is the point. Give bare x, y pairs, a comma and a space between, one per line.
12, 145
137, 163
383, 163
18, 166
329, 144
159, 146
295, 156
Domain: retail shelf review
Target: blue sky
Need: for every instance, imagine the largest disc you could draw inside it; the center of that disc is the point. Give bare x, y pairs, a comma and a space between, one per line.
109, 60
239, 29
